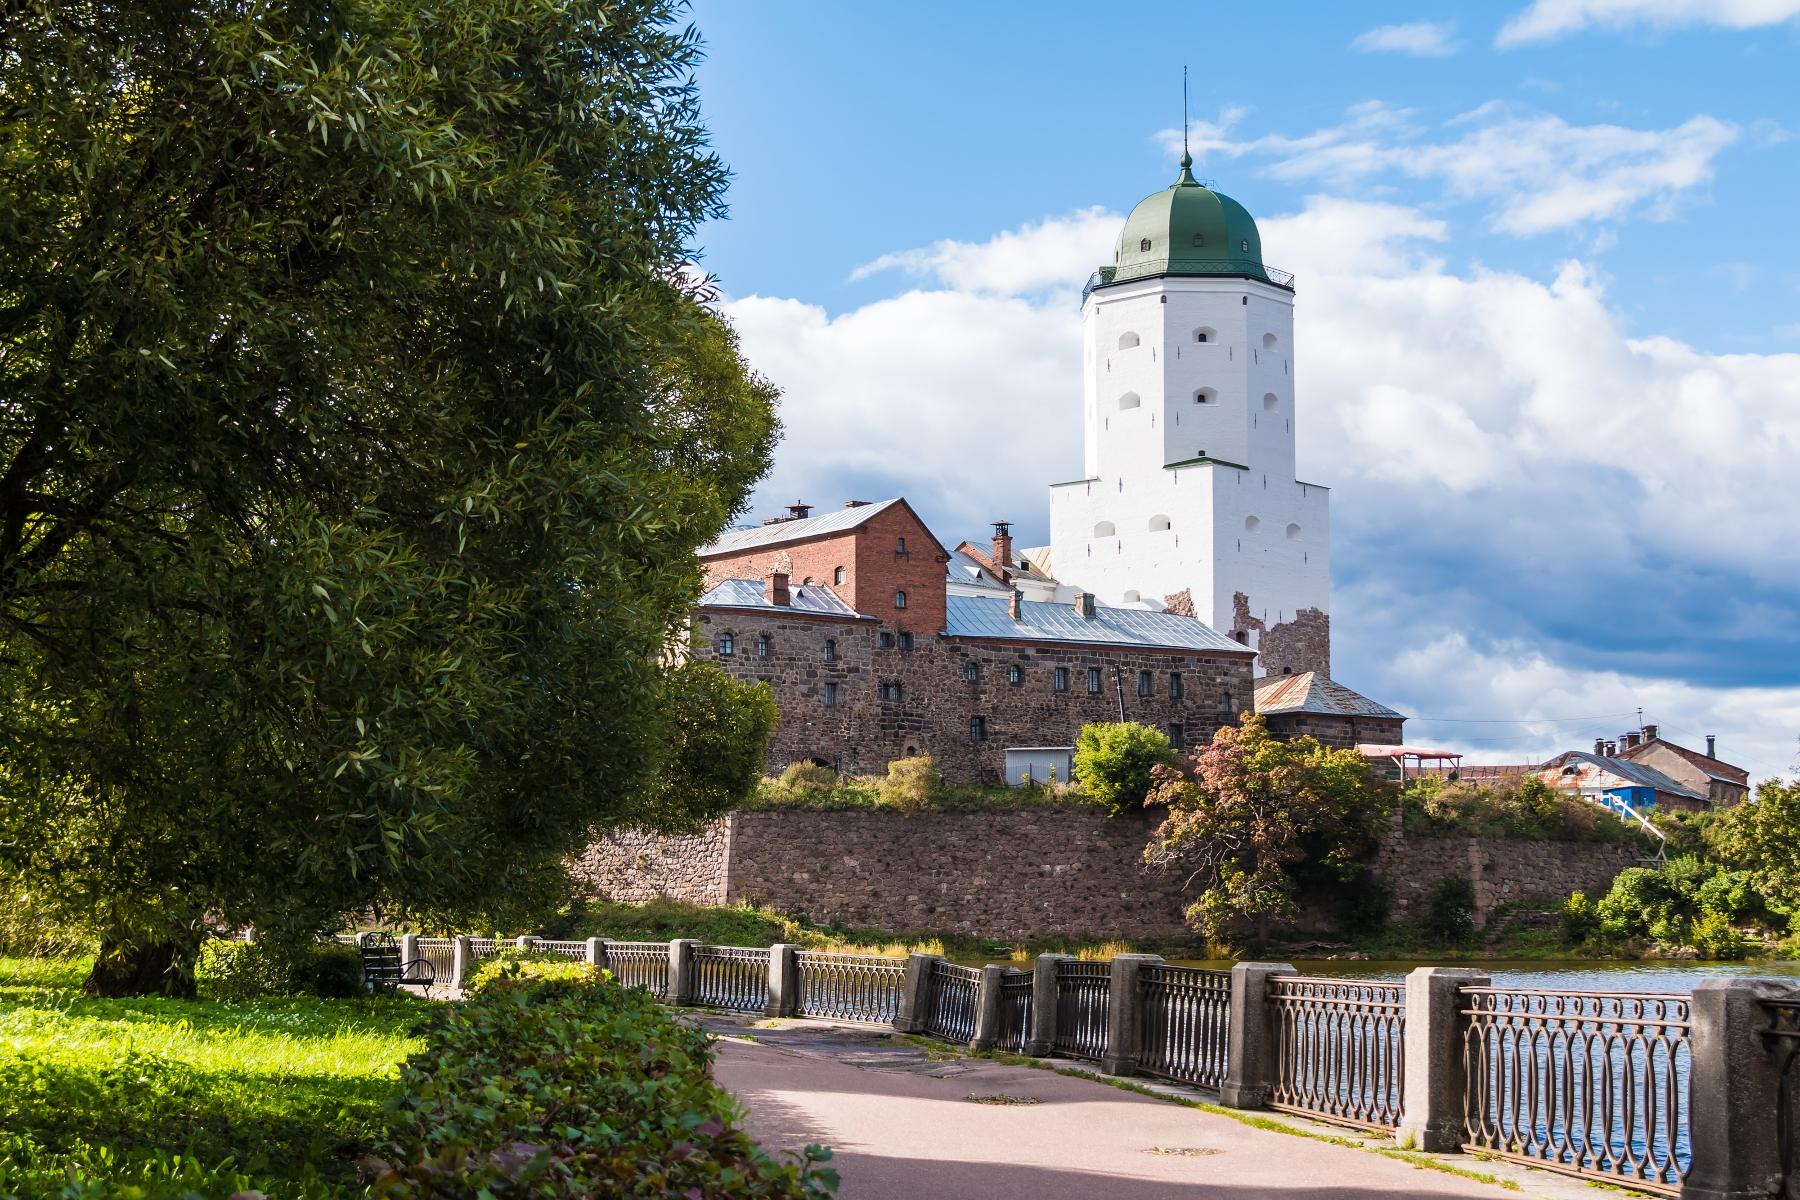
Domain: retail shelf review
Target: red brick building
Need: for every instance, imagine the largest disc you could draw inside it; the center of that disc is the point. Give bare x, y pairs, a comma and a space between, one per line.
848, 617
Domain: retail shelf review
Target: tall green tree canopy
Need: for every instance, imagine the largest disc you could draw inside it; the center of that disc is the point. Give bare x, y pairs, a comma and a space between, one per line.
1255, 815
358, 423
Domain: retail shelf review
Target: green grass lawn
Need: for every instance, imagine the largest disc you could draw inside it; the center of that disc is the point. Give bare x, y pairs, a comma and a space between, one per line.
287, 1093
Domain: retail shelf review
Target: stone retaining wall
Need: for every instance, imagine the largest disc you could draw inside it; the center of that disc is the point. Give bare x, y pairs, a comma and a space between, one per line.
1036, 872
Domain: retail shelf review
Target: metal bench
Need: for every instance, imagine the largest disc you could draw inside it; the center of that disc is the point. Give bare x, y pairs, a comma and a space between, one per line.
382, 968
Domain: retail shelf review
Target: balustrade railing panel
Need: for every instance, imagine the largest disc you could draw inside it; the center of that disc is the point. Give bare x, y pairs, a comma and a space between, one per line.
1186, 1014
1015, 1011
1083, 994
1338, 1049
574, 950
1588, 1083
440, 953
640, 964
733, 977
950, 1000
850, 987
480, 948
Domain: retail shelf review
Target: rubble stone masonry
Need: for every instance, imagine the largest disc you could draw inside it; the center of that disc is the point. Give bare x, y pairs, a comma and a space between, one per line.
1034, 872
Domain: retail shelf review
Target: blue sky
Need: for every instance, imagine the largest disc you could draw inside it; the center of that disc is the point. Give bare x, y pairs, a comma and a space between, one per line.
1548, 320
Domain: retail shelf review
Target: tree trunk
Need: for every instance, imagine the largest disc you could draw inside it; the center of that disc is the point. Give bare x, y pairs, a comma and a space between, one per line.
134, 966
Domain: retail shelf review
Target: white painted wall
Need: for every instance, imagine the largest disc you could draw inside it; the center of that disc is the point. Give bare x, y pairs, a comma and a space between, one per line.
1245, 369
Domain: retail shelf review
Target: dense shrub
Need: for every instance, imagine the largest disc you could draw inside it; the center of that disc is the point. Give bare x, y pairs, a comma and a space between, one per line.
248, 970
1687, 902
1114, 761
802, 777
912, 783
516, 966
1524, 808
1450, 910
566, 1088
1580, 918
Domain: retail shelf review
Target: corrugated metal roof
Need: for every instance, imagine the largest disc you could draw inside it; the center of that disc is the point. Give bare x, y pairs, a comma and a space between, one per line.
836, 521
814, 598
982, 617
1311, 692
965, 569
1630, 772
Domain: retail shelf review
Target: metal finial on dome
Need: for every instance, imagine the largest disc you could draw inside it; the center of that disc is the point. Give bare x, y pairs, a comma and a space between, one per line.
1187, 160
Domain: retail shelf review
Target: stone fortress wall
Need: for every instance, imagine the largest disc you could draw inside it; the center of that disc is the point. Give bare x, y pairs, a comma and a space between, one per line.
1040, 872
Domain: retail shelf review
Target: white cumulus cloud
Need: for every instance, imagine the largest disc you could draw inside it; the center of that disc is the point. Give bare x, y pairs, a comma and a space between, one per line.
1421, 39
1548, 19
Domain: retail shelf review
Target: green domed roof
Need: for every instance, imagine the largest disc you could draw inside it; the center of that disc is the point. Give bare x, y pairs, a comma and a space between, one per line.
1188, 229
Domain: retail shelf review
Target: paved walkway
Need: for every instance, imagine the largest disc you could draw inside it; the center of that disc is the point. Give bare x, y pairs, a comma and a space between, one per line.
907, 1124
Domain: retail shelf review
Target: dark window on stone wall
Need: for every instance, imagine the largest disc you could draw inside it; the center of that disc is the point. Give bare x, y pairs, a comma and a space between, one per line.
972, 672
1144, 683
1062, 679
830, 649
1225, 700
762, 646
727, 645
887, 640
978, 729
905, 640
890, 690
1015, 674
1093, 681
1174, 685
831, 695
1177, 735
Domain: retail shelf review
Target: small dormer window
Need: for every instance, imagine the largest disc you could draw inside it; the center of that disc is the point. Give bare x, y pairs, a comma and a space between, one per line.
1244, 246
1144, 245
1199, 239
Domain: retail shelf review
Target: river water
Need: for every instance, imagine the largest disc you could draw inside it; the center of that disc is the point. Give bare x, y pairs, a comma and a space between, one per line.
1655, 976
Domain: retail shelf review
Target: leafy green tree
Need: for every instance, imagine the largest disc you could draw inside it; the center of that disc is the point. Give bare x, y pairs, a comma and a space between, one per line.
717, 730
1257, 814
358, 423
1114, 762
1762, 836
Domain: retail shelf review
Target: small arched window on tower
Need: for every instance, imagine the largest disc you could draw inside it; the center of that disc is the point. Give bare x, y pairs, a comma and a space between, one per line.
1106, 529
1206, 396
1158, 523
1293, 532
1199, 240
1270, 341
1129, 400
1144, 245
830, 649
1270, 400
1204, 334
1252, 524
1128, 341
1244, 246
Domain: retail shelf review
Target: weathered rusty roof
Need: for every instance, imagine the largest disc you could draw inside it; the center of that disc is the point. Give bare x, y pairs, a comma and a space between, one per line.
813, 599
1630, 774
1311, 692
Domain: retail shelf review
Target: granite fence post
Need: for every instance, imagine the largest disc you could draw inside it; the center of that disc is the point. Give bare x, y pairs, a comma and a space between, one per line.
409, 951
915, 994
1042, 1040
1436, 1065
595, 952
1735, 1085
784, 981
525, 942
681, 970
987, 1009
1250, 1067
462, 962
1125, 1015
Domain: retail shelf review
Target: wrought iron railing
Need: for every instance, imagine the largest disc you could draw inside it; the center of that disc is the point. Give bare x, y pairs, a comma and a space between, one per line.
574, 950
1186, 1015
1782, 1039
733, 977
640, 964
440, 953
950, 1001
1234, 268
1083, 994
850, 987
1338, 1049
1015, 1011
1593, 1084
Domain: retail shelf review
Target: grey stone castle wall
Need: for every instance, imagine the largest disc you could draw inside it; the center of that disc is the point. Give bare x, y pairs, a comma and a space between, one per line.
1026, 873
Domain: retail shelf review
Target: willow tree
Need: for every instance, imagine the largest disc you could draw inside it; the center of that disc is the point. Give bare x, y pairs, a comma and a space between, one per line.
358, 423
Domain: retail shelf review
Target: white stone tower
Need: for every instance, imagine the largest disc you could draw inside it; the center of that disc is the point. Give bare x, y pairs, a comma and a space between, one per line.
1190, 500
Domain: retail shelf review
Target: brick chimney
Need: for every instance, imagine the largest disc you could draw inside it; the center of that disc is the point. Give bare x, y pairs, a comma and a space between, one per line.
1599, 745
1084, 605
1612, 749
1633, 740
1015, 605
1650, 732
1003, 543
799, 510
1712, 743
775, 588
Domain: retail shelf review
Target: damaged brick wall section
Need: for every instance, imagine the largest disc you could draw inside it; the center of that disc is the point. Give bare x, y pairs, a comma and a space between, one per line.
1180, 604
1068, 872
1286, 647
